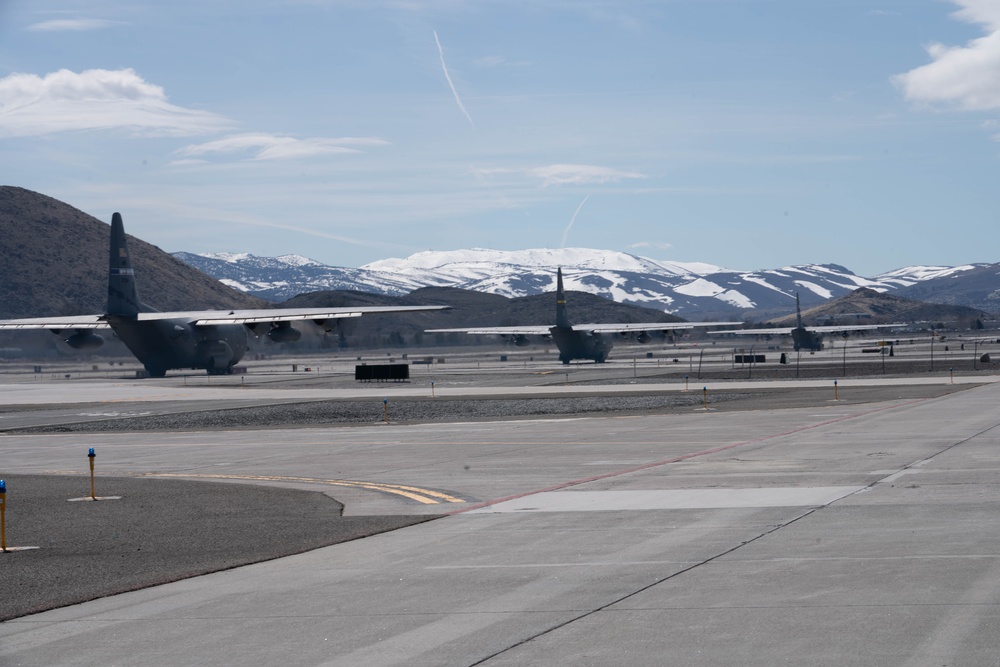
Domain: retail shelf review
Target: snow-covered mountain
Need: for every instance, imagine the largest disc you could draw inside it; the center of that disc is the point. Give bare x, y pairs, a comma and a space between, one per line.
693, 290
280, 278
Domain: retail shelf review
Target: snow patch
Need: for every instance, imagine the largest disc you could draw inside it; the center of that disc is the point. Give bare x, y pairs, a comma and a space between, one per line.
815, 289
700, 287
737, 299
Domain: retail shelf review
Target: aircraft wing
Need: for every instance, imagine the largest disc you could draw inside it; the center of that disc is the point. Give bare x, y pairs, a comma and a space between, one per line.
856, 327
56, 323
528, 330
213, 317
779, 331
543, 330
627, 327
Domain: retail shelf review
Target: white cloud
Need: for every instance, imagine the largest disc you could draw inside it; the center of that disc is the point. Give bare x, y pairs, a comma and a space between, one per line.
560, 174
651, 244
967, 77
980, 11
96, 99
69, 25
577, 174
264, 146
490, 61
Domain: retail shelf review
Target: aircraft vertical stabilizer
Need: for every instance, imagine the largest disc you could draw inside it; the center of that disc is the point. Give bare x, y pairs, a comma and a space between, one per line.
123, 297
562, 318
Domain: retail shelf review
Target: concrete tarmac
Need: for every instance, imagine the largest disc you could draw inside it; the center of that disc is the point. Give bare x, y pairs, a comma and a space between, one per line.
833, 533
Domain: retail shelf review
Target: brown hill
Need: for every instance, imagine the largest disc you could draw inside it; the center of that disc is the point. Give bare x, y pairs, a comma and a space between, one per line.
54, 261
866, 306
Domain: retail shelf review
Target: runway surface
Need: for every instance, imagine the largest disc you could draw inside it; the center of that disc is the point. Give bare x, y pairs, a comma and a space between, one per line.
835, 532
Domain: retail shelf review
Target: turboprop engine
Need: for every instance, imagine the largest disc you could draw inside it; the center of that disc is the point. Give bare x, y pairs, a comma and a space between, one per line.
85, 339
283, 332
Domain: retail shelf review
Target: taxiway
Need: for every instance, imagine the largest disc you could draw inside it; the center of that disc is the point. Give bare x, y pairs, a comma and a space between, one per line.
829, 531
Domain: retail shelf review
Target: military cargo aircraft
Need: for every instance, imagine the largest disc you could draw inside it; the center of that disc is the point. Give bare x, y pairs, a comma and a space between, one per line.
580, 341
803, 338
213, 340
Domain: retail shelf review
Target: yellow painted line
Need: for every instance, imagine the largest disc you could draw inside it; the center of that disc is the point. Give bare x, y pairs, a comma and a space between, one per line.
424, 496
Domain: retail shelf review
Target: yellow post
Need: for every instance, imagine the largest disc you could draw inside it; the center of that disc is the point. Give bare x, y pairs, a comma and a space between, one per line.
91, 455
952, 370
385, 410
3, 516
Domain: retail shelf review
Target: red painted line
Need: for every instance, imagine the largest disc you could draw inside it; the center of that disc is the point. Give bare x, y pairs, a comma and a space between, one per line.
682, 457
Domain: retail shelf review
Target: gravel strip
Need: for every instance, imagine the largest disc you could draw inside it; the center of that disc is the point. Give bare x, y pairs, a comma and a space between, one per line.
325, 413
443, 410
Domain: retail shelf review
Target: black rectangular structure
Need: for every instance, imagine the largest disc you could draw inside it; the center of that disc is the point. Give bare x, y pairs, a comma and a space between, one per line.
382, 372
750, 358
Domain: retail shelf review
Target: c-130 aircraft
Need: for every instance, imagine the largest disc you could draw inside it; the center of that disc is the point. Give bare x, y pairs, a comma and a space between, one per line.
580, 341
213, 340
806, 339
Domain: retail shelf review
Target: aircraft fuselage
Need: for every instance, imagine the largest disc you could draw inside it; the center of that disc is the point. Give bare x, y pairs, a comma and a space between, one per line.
574, 344
176, 343
803, 339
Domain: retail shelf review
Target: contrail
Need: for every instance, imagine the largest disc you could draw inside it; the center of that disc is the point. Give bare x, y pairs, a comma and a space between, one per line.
573, 219
450, 84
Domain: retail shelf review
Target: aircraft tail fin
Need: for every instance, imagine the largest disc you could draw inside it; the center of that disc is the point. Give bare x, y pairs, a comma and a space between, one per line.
562, 317
123, 298
798, 312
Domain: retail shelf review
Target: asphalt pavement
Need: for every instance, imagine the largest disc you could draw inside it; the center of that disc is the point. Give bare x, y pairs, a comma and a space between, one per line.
154, 532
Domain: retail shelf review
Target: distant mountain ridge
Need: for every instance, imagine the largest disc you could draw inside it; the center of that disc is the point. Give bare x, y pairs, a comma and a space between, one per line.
693, 290
55, 262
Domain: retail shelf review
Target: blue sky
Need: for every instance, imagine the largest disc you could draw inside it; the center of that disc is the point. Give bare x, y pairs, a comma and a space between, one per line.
750, 134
